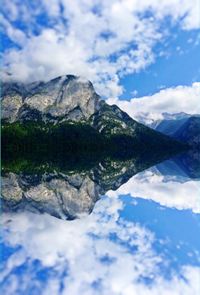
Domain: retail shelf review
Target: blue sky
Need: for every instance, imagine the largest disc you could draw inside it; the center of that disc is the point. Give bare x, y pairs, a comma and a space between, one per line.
127, 48
180, 65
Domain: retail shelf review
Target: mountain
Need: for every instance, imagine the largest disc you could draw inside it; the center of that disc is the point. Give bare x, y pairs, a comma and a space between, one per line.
63, 147
183, 127
63, 98
62, 110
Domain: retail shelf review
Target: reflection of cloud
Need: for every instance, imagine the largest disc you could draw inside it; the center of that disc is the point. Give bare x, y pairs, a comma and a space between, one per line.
170, 100
100, 254
119, 37
165, 190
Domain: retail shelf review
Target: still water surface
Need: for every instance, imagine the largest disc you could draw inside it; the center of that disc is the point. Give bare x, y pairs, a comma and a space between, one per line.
113, 231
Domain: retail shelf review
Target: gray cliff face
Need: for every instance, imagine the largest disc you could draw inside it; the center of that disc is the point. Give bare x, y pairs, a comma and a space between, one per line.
12, 100
63, 98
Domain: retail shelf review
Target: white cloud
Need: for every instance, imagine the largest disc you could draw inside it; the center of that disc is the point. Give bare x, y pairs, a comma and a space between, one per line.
167, 191
100, 40
169, 100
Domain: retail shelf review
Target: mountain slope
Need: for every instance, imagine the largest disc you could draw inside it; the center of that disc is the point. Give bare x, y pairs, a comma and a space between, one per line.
112, 120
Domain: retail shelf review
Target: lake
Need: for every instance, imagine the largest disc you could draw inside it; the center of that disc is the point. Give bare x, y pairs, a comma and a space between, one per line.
122, 227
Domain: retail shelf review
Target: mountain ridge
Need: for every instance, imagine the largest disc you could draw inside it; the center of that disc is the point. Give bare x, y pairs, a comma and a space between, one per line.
66, 102
52, 100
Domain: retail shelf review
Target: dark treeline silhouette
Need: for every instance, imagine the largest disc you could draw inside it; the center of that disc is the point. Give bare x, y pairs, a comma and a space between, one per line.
48, 141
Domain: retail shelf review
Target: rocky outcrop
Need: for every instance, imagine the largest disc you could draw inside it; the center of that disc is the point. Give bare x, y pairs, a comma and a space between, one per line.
112, 120
12, 101
63, 98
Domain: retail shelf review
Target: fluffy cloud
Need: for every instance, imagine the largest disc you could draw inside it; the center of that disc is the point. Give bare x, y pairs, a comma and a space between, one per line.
169, 100
171, 192
100, 254
101, 40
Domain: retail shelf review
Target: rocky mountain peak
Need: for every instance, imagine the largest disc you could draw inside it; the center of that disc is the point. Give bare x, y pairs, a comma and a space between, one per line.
65, 97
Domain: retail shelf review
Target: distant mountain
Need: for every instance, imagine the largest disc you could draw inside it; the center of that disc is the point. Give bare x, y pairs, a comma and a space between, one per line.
190, 131
70, 100
183, 127
170, 122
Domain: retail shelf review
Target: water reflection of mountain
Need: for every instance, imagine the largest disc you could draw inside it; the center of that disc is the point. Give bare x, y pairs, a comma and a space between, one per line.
185, 165
66, 194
